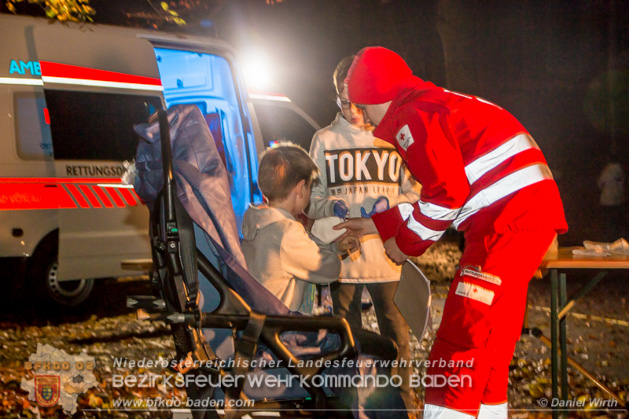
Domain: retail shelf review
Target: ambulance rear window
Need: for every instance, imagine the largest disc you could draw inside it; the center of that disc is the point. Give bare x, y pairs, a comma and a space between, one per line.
209, 81
96, 126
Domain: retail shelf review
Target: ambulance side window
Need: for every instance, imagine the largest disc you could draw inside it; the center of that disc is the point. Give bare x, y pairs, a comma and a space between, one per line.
282, 124
96, 126
32, 128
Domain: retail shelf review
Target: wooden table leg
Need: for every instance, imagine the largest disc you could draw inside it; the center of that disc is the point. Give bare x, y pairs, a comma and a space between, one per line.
559, 308
554, 337
563, 338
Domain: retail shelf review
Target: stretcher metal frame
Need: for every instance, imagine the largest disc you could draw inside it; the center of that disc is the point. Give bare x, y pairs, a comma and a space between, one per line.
182, 312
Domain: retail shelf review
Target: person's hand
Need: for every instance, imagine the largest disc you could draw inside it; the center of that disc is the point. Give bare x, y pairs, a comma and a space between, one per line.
393, 252
357, 227
340, 209
381, 204
348, 243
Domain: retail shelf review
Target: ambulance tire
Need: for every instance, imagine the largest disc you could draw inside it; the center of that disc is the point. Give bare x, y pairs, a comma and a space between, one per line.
51, 291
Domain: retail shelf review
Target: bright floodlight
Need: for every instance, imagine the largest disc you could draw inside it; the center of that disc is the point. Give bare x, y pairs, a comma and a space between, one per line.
257, 70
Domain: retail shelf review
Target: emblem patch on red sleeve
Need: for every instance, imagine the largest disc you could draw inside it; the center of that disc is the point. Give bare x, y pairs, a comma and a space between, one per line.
404, 137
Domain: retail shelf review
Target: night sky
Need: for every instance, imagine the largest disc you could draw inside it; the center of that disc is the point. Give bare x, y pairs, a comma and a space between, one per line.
548, 62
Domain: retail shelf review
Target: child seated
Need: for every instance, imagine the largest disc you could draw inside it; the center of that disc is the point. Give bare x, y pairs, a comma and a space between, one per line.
279, 252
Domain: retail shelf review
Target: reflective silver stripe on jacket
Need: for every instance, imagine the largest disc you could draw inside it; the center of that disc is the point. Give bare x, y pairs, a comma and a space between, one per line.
476, 169
422, 231
433, 211
405, 209
437, 212
505, 186
430, 210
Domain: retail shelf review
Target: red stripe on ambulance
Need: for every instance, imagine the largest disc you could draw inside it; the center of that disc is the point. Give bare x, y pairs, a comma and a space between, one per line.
114, 195
87, 191
65, 193
56, 180
76, 194
33, 196
128, 197
135, 195
103, 197
50, 69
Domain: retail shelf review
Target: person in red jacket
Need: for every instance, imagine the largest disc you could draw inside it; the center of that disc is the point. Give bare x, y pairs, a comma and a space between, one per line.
483, 173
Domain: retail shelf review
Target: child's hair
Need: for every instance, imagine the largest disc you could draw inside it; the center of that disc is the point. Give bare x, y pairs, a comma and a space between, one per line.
340, 73
282, 167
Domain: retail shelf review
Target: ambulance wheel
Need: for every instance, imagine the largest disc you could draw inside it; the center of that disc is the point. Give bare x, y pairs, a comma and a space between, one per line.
45, 274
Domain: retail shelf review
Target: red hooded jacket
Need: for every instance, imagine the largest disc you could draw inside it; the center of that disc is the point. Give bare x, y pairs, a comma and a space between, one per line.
479, 168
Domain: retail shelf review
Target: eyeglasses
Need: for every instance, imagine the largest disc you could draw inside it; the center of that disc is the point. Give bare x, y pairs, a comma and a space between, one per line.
342, 103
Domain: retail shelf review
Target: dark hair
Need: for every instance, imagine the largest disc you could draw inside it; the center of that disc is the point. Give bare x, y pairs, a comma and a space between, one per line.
341, 72
282, 167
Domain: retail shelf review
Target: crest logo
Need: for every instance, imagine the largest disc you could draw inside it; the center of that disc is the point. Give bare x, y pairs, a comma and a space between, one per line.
58, 378
47, 390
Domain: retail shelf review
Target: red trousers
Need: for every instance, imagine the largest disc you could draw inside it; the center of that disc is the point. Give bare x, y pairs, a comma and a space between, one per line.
482, 319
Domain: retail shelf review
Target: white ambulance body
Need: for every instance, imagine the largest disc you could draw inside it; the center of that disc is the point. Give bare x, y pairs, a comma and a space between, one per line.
69, 96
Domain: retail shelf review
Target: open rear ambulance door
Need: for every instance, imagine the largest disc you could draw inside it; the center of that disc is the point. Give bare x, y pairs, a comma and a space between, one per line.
98, 82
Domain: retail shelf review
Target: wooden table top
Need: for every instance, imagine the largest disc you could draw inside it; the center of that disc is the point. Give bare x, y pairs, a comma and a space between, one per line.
565, 259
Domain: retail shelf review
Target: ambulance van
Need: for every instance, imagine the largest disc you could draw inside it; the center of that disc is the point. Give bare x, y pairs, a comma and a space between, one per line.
69, 97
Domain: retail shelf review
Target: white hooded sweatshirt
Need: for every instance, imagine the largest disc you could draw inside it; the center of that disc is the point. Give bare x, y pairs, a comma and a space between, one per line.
359, 168
283, 257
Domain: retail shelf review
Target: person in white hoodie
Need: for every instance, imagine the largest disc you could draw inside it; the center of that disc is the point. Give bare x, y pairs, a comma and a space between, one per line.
611, 182
362, 175
279, 252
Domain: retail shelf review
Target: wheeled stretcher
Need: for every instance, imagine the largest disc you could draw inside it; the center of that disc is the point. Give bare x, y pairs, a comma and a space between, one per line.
223, 321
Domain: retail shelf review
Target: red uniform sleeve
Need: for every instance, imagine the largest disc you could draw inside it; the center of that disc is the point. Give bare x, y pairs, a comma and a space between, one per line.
388, 223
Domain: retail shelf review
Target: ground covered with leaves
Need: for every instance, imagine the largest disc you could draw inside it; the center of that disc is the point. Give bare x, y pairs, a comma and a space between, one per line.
106, 330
